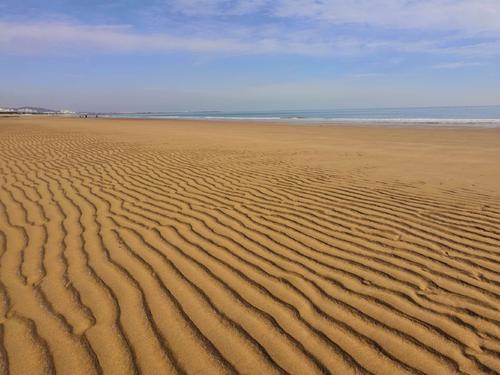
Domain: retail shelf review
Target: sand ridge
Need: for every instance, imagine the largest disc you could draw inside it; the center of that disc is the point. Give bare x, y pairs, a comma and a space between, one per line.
131, 246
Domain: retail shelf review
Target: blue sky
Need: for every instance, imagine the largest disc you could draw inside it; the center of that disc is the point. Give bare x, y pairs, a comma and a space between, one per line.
160, 55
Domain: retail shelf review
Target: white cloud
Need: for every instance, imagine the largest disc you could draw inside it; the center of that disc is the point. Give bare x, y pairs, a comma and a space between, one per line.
458, 65
70, 38
217, 7
311, 28
470, 16
60, 37
462, 15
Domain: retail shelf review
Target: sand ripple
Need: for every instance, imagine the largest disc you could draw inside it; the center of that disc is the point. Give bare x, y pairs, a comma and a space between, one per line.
128, 257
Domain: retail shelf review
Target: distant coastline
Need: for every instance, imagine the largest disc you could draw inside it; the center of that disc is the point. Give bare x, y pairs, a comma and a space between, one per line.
466, 116
33, 111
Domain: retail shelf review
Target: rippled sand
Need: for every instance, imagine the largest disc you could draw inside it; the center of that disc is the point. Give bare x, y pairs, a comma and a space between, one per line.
197, 247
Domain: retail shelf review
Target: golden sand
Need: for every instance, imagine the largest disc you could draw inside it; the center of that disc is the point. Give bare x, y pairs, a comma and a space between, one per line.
206, 248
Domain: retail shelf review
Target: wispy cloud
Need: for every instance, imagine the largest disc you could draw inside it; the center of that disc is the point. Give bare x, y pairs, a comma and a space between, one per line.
465, 28
458, 65
458, 15
462, 15
70, 38
218, 7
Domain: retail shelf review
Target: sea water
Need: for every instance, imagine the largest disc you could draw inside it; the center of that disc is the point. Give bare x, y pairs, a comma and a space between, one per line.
478, 115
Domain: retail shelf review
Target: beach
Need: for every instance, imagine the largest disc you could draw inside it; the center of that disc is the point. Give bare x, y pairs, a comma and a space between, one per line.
212, 247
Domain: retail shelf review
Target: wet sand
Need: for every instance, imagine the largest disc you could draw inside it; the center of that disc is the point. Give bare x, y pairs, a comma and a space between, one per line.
201, 247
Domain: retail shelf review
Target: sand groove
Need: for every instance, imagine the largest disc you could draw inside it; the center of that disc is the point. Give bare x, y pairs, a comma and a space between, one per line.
123, 255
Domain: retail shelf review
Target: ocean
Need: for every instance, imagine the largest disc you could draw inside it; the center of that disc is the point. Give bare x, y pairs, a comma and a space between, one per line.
479, 115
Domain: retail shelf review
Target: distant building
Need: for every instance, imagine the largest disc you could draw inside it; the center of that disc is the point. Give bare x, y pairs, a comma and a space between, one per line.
27, 110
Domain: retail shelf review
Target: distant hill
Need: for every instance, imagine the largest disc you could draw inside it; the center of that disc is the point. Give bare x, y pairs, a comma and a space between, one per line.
35, 110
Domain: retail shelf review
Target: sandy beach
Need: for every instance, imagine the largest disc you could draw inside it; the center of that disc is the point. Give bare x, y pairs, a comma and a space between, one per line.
158, 247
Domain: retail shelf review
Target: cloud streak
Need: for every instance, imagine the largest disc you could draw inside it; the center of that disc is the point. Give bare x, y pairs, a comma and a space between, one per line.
458, 15
465, 28
458, 65
70, 38
476, 16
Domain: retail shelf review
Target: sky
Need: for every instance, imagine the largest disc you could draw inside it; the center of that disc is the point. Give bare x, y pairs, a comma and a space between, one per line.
233, 55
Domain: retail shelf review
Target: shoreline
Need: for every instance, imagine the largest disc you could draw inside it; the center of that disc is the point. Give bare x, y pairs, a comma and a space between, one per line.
489, 123
367, 123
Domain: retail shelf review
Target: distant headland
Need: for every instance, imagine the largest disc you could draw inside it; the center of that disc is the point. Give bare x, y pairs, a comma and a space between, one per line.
34, 110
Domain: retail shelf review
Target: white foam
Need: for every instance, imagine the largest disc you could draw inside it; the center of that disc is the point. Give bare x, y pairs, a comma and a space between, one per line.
455, 122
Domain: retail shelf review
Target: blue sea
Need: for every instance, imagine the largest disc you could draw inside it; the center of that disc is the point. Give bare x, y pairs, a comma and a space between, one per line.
478, 115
